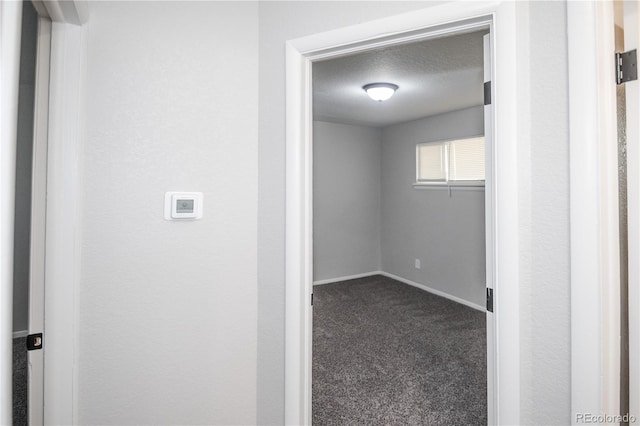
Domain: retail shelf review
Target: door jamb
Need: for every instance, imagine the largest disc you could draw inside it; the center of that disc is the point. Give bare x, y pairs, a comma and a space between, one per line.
62, 225
595, 265
298, 243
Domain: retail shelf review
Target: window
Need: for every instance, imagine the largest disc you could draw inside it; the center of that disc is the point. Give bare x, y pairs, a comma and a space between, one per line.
454, 162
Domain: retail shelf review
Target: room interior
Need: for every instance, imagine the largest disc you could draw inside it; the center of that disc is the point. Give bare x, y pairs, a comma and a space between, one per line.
382, 241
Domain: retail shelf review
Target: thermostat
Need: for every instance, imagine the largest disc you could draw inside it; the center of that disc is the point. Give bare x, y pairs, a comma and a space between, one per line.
183, 205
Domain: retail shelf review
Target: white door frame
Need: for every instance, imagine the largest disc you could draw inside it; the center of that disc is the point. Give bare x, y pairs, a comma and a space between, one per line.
35, 358
489, 221
300, 54
595, 265
62, 264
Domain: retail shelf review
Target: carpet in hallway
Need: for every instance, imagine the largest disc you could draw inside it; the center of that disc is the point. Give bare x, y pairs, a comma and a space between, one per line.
20, 381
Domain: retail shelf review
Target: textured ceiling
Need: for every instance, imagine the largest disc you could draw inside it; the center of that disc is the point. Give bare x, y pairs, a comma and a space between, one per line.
434, 76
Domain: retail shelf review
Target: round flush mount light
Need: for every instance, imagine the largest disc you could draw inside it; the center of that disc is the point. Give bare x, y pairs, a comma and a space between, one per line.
380, 91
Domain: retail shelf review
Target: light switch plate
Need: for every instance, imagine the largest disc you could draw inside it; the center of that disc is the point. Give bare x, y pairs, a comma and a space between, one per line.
183, 205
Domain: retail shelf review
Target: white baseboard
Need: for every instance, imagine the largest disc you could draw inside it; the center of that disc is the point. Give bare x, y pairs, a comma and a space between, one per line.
406, 281
434, 291
20, 333
348, 277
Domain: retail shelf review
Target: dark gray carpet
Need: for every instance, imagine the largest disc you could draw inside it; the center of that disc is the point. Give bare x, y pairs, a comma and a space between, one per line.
386, 353
20, 381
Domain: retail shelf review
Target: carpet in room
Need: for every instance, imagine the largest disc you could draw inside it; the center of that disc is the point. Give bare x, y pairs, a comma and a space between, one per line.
386, 353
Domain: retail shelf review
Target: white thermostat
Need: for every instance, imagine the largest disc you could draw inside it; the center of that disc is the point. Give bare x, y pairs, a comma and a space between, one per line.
183, 205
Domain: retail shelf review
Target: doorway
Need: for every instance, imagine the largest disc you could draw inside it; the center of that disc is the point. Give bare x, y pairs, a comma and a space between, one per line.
399, 327
502, 251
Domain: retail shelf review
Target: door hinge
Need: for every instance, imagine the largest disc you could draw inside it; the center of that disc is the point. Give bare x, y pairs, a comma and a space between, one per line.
487, 93
311, 299
34, 342
490, 299
626, 66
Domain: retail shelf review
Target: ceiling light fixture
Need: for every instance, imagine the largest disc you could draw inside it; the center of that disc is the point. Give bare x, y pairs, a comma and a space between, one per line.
380, 91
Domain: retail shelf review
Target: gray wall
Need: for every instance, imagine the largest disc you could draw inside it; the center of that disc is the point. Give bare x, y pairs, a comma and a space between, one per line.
24, 151
445, 232
167, 310
346, 209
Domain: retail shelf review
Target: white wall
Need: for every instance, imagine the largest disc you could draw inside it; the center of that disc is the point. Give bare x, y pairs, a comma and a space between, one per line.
167, 310
446, 232
24, 152
544, 216
346, 209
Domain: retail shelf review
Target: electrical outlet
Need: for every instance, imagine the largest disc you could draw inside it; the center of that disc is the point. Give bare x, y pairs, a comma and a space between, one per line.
417, 263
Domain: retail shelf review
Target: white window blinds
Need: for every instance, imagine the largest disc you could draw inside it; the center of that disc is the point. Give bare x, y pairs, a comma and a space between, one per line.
432, 162
466, 159
450, 161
